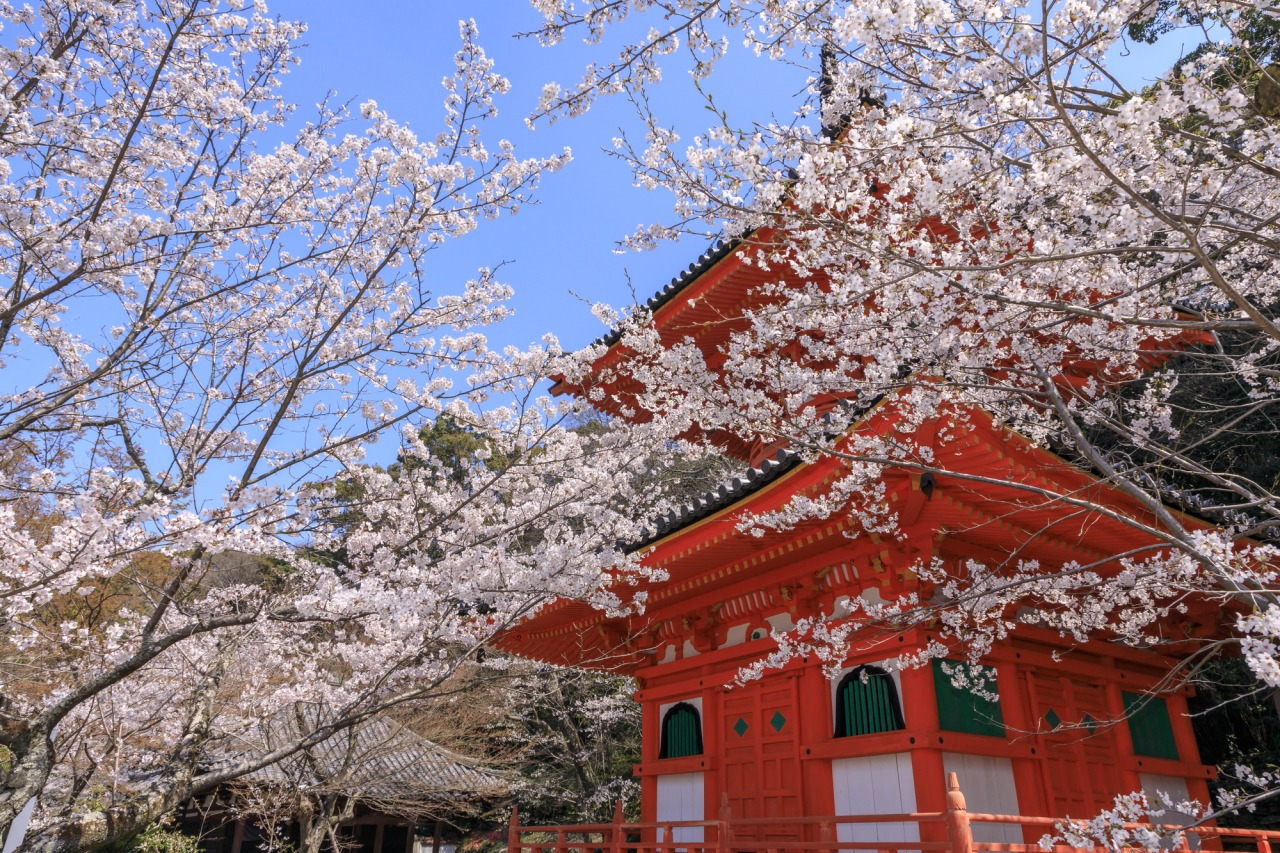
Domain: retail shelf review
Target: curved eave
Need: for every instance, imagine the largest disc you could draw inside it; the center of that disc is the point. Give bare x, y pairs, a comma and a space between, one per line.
572, 633
712, 267
968, 513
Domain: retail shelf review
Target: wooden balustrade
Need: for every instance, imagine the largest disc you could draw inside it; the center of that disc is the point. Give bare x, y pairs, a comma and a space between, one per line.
729, 834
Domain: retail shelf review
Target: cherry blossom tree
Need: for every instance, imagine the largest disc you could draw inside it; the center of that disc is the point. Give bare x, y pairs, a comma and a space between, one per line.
577, 736
212, 311
972, 211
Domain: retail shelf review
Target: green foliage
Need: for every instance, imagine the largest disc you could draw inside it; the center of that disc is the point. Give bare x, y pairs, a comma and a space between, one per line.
156, 838
1256, 43
1167, 16
487, 842
454, 452
1218, 425
454, 448
681, 475
1222, 425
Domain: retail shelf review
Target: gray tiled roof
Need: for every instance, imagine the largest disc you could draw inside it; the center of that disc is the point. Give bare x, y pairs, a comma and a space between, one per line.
379, 759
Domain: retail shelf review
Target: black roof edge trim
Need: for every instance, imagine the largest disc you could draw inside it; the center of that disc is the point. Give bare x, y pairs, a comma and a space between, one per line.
717, 252
726, 494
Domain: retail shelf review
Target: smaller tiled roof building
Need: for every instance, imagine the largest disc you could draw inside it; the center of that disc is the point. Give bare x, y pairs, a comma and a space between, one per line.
401, 792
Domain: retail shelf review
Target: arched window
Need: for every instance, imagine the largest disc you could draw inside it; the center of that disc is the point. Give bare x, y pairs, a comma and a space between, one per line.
867, 702
681, 732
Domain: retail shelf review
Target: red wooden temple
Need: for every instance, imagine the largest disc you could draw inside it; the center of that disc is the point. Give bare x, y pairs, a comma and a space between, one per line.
1072, 725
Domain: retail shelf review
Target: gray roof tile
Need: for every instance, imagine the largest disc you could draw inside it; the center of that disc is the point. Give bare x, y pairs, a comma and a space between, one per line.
378, 759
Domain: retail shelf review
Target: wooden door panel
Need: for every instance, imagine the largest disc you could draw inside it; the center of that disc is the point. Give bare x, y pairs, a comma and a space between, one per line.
761, 755
1079, 750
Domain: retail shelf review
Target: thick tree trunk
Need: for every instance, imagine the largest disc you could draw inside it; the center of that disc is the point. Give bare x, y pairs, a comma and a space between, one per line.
92, 830
32, 757
315, 829
320, 820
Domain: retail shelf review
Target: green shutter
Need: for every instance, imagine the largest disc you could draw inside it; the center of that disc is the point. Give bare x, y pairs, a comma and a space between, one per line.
1149, 726
866, 706
680, 736
961, 710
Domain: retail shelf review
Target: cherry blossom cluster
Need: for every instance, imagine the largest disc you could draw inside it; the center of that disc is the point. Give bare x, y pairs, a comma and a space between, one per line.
213, 312
1135, 821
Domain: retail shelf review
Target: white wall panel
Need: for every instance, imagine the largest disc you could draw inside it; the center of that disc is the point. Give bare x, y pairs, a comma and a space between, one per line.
680, 797
877, 784
987, 783
735, 636
1153, 785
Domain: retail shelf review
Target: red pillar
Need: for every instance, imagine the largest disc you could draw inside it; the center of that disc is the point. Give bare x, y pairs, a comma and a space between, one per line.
711, 746
650, 743
1127, 761
920, 712
816, 727
1015, 707
513, 831
1188, 750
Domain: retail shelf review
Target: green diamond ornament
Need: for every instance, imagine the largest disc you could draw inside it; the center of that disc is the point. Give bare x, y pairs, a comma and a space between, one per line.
1090, 723
1053, 719
777, 721
740, 727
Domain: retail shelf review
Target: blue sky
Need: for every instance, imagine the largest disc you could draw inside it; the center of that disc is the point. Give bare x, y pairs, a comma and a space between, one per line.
561, 254
562, 251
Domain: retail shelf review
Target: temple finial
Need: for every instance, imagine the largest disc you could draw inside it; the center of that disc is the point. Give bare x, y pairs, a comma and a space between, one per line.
826, 87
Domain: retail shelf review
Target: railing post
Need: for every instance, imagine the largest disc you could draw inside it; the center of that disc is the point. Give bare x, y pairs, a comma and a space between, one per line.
958, 832
660, 838
826, 836
616, 840
560, 846
513, 832
724, 830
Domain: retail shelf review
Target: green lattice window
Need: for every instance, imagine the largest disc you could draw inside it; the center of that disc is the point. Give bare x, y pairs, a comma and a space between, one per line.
1149, 725
867, 702
960, 709
681, 732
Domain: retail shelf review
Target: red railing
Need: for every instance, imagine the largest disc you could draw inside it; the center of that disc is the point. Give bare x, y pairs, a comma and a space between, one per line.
951, 829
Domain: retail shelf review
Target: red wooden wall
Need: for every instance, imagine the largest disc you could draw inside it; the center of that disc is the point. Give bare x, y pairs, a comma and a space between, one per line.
769, 744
